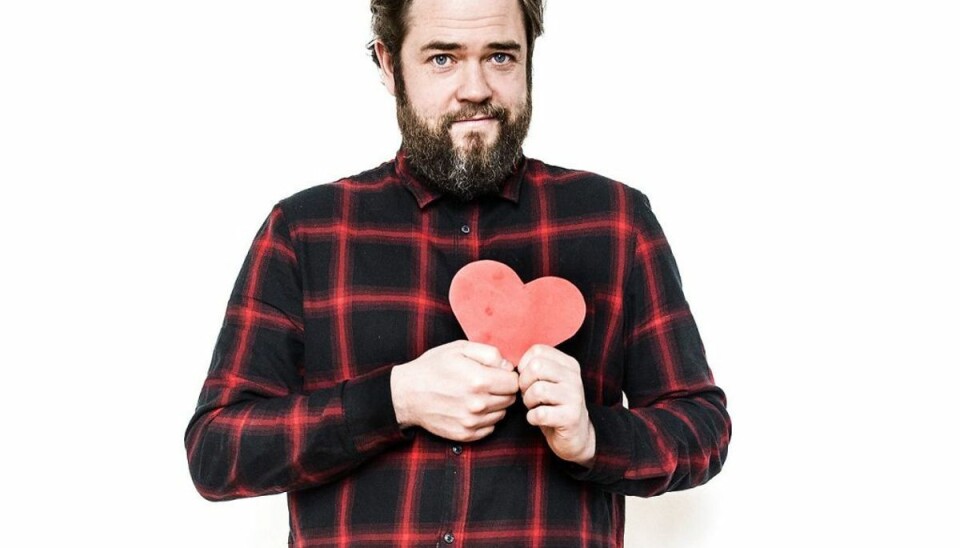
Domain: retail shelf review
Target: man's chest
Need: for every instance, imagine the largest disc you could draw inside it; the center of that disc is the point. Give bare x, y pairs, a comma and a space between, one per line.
377, 295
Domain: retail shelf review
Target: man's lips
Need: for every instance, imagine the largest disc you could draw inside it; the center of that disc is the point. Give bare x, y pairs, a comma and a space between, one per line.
475, 120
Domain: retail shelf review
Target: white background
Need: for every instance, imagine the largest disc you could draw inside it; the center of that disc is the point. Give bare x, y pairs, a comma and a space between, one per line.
801, 156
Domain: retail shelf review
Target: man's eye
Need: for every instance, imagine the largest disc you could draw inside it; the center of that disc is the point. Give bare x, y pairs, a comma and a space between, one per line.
441, 60
501, 58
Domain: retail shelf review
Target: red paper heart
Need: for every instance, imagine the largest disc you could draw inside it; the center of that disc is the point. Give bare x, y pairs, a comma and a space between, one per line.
494, 307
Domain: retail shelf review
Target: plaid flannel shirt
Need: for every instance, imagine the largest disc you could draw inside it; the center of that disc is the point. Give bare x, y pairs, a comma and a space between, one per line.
346, 280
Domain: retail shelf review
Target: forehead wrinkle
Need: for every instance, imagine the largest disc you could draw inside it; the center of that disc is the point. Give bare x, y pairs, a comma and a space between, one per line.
460, 21
442, 30
465, 13
494, 35
469, 22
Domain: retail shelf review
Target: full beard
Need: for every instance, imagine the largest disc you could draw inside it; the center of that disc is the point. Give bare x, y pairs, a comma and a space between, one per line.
474, 170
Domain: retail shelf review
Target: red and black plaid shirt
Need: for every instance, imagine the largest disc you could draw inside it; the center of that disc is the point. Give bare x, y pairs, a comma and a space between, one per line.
348, 279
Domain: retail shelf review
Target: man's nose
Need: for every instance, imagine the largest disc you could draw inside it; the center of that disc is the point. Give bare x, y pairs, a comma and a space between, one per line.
474, 87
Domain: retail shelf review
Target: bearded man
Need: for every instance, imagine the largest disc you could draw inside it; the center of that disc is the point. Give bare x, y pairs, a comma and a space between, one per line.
342, 377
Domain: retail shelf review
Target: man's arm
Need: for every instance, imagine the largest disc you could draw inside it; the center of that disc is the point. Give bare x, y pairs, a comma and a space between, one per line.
255, 431
675, 433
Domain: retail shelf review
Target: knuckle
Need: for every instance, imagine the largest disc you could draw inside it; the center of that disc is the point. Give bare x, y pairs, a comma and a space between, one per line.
528, 382
533, 416
477, 384
452, 348
451, 432
476, 405
470, 423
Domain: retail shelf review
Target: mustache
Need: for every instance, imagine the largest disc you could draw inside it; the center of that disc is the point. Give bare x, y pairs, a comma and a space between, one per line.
488, 110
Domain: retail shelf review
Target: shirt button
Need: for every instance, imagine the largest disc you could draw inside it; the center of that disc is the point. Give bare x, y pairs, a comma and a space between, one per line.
457, 449
465, 229
448, 538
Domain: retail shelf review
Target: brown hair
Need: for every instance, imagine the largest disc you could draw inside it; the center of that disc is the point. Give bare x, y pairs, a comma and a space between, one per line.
389, 24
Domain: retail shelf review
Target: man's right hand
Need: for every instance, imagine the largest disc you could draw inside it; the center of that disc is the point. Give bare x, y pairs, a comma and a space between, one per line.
457, 391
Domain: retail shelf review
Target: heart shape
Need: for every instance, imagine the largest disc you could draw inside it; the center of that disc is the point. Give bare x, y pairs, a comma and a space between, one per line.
494, 307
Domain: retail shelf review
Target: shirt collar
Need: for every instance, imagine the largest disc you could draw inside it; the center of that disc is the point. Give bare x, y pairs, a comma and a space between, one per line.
425, 194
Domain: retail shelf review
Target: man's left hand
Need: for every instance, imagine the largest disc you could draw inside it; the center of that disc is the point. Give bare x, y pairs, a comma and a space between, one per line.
553, 392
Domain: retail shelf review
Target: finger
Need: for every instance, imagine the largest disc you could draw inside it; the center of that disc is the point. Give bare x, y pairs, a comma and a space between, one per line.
550, 416
543, 393
496, 403
538, 415
502, 383
483, 380
541, 369
550, 353
534, 351
484, 354
490, 419
489, 403
479, 434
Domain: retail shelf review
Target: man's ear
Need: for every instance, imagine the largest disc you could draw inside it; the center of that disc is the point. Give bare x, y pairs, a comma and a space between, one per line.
387, 74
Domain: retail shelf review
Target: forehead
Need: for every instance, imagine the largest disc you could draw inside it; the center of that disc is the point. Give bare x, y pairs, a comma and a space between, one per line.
472, 23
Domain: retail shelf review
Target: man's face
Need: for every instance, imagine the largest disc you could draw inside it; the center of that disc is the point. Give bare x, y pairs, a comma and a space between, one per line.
463, 104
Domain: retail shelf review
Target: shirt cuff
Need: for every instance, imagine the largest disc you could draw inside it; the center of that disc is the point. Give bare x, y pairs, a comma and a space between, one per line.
368, 410
609, 462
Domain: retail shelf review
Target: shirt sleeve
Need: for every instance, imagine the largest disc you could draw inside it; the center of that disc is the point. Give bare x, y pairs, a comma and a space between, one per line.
255, 431
675, 431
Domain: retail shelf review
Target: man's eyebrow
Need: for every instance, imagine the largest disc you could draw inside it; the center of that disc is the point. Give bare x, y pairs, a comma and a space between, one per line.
437, 45
442, 46
507, 46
